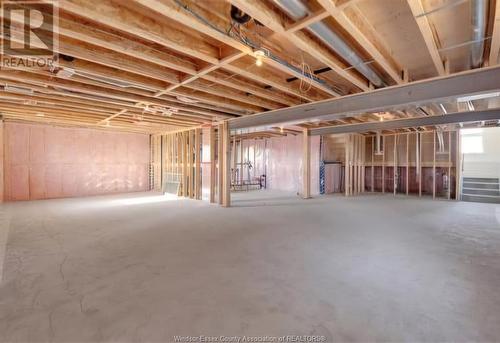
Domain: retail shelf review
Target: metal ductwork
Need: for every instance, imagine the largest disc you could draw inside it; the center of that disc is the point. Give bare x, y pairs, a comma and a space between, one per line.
378, 144
297, 10
479, 10
440, 139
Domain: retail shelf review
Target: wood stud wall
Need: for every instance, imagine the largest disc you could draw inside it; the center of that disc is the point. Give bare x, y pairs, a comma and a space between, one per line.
155, 165
354, 171
177, 156
401, 169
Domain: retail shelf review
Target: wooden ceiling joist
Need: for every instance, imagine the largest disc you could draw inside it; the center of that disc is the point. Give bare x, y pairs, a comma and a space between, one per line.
245, 86
148, 54
427, 34
175, 12
305, 22
124, 19
267, 16
187, 110
160, 65
262, 76
203, 72
364, 36
28, 78
72, 112
495, 38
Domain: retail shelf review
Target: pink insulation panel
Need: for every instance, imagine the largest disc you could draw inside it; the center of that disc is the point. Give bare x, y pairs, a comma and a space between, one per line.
280, 159
43, 161
284, 163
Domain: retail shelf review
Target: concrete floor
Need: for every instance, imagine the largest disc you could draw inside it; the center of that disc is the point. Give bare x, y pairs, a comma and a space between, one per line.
139, 268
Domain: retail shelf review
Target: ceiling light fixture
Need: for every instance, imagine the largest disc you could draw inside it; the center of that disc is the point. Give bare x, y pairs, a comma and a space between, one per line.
259, 56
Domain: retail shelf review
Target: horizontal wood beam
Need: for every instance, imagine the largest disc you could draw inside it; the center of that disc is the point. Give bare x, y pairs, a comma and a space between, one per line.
427, 34
268, 17
305, 22
124, 19
495, 39
368, 43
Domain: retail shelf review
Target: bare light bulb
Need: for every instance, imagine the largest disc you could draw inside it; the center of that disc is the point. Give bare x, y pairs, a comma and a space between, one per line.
259, 55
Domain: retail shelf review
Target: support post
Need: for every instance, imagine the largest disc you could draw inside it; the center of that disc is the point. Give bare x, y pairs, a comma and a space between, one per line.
395, 164
212, 165
165, 158
354, 164
360, 164
383, 164
419, 142
2, 154
197, 163
346, 167
191, 164
179, 161
407, 162
363, 163
449, 165
226, 160
434, 164
373, 165
241, 163
234, 158
458, 165
186, 164
306, 162
220, 167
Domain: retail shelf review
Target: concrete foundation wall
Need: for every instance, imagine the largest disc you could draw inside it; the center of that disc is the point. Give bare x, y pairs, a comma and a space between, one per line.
43, 161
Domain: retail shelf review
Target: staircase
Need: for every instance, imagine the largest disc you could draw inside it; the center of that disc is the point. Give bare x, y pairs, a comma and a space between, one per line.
480, 190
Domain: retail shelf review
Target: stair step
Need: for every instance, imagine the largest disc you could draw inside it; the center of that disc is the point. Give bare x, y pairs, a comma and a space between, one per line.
480, 179
492, 186
475, 191
476, 198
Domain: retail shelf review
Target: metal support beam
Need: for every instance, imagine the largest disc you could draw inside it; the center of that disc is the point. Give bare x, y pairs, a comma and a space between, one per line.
451, 118
484, 80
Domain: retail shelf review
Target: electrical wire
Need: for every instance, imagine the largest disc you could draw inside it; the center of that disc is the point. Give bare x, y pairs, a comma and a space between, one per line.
305, 69
252, 44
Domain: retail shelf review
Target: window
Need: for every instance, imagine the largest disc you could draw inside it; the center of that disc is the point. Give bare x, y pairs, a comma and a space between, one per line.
472, 141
